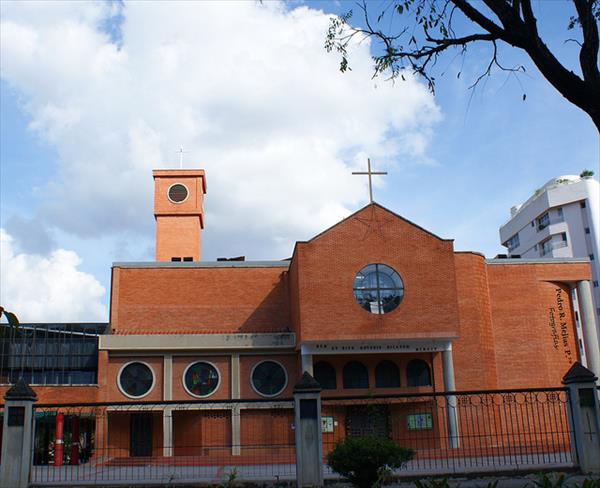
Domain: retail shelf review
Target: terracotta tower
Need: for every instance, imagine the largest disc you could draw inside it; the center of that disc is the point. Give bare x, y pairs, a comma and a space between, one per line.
179, 213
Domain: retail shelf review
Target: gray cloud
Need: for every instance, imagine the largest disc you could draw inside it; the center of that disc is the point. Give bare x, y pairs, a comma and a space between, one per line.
30, 235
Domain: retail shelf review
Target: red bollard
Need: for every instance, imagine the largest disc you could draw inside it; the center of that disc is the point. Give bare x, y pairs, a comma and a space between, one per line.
59, 446
74, 440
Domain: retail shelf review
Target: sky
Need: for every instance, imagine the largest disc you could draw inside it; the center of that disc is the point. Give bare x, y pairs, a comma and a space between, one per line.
94, 95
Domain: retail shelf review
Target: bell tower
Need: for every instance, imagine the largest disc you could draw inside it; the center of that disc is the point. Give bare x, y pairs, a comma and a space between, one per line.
179, 213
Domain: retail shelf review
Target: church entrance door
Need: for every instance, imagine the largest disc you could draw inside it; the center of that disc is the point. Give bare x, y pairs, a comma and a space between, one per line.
141, 434
369, 420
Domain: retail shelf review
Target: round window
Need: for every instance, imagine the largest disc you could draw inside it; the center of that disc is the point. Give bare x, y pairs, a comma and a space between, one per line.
269, 378
136, 380
378, 288
178, 193
201, 379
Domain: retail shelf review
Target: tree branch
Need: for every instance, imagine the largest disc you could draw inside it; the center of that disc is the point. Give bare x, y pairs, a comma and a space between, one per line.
588, 56
476, 16
461, 41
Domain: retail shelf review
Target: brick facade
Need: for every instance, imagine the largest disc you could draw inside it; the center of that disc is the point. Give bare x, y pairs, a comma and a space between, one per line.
510, 325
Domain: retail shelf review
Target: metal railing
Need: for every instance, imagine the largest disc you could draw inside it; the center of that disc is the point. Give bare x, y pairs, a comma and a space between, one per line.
496, 431
206, 441
166, 442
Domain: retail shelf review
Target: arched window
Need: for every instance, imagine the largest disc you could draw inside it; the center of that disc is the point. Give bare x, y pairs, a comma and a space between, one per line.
418, 373
355, 375
387, 375
325, 375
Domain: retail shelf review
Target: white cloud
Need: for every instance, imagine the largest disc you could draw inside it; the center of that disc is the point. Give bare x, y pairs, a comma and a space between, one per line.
48, 288
246, 88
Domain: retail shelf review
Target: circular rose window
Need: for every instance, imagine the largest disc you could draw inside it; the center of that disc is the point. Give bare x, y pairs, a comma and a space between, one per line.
178, 193
136, 379
269, 378
201, 379
378, 288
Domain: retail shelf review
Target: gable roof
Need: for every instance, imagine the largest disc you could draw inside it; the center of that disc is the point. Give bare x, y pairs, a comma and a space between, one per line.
352, 215
375, 204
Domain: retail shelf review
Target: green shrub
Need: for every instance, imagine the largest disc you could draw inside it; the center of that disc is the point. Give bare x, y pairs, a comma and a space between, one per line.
586, 173
589, 483
364, 460
443, 483
555, 480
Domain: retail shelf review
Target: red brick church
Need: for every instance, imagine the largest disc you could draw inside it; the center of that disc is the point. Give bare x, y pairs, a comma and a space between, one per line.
375, 304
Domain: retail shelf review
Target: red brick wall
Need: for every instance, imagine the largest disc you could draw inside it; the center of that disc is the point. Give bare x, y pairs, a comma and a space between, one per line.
177, 237
205, 433
265, 433
520, 307
473, 352
328, 264
178, 225
60, 394
294, 299
199, 300
163, 179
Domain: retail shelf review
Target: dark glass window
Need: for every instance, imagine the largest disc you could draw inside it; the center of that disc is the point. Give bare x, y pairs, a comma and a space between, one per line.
387, 375
325, 375
178, 193
136, 379
49, 354
269, 378
378, 288
201, 379
355, 375
418, 373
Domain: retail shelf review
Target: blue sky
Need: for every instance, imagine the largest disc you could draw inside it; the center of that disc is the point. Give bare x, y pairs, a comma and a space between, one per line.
93, 96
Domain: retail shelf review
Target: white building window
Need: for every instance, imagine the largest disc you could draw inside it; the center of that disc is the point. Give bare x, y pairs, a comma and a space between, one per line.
513, 242
543, 221
546, 247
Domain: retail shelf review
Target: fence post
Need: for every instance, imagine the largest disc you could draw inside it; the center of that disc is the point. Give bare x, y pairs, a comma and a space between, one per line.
307, 422
17, 436
585, 416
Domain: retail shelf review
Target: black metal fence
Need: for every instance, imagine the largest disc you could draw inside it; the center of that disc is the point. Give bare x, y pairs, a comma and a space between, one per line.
216, 441
159, 443
494, 430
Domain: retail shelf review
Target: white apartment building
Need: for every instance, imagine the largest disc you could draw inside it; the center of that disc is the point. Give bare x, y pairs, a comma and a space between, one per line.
560, 220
